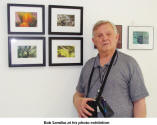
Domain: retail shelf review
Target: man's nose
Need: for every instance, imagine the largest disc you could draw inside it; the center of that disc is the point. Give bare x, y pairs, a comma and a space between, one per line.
104, 37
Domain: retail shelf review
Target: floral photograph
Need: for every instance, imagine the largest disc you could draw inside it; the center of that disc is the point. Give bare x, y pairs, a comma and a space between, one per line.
26, 19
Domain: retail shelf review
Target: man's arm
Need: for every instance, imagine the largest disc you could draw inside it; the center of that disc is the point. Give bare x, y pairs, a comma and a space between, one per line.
139, 108
80, 103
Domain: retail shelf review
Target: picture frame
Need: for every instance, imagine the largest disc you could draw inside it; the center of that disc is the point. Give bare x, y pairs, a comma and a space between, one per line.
65, 20
26, 51
26, 19
119, 44
65, 51
140, 37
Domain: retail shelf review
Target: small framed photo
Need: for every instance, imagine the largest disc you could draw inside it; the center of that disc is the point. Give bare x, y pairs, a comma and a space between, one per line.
65, 51
65, 20
141, 37
26, 19
119, 44
26, 51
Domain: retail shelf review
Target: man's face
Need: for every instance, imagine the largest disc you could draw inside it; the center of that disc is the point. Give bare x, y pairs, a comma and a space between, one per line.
105, 38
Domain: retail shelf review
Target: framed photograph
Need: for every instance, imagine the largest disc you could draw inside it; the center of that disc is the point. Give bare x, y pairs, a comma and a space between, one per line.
141, 37
119, 44
26, 19
26, 51
65, 51
65, 20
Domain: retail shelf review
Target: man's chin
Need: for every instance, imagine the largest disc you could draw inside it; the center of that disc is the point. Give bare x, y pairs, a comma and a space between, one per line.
105, 47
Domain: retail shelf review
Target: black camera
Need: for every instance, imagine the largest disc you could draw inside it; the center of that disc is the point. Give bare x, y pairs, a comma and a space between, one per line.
104, 107
93, 104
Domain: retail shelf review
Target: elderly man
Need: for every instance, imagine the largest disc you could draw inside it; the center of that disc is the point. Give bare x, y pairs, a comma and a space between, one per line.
124, 89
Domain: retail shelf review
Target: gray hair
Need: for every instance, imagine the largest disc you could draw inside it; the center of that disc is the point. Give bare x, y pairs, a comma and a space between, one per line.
104, 22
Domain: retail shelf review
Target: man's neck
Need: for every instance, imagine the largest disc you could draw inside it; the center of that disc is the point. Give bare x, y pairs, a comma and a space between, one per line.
105, 57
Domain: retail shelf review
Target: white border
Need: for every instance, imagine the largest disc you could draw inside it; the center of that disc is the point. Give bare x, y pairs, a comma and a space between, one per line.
14, 9
55, 28
26, 42
75, 43
78, 121
148, 29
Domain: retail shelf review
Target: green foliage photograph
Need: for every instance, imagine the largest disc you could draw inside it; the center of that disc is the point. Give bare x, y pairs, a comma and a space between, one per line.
27, 51
66, 51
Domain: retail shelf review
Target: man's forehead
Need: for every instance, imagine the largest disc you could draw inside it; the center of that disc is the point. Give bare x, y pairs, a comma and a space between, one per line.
104, 25
103, 29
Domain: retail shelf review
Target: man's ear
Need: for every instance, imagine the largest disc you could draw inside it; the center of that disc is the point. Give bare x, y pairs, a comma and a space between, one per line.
94, 43
93, 40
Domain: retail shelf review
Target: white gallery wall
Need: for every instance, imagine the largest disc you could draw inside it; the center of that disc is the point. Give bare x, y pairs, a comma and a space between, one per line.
48, 91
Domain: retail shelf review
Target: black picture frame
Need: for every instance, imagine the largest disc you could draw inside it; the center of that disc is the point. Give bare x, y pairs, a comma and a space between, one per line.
59, 60
26, 19
26, 51
65, 20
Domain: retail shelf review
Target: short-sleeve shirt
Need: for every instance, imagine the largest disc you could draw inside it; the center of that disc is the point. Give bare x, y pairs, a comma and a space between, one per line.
124, 85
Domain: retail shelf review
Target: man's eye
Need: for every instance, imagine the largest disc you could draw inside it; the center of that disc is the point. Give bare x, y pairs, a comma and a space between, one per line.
99, 35
108, 34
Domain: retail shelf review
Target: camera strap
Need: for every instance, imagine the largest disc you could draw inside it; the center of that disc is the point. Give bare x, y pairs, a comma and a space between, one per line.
105, 79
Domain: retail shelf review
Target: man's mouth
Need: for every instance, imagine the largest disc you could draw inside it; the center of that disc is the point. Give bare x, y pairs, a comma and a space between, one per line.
105, 43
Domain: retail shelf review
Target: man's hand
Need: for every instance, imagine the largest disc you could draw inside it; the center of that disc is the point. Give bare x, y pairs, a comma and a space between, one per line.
81, 105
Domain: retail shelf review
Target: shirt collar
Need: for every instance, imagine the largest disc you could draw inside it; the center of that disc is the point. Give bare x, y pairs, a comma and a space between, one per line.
97, 62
